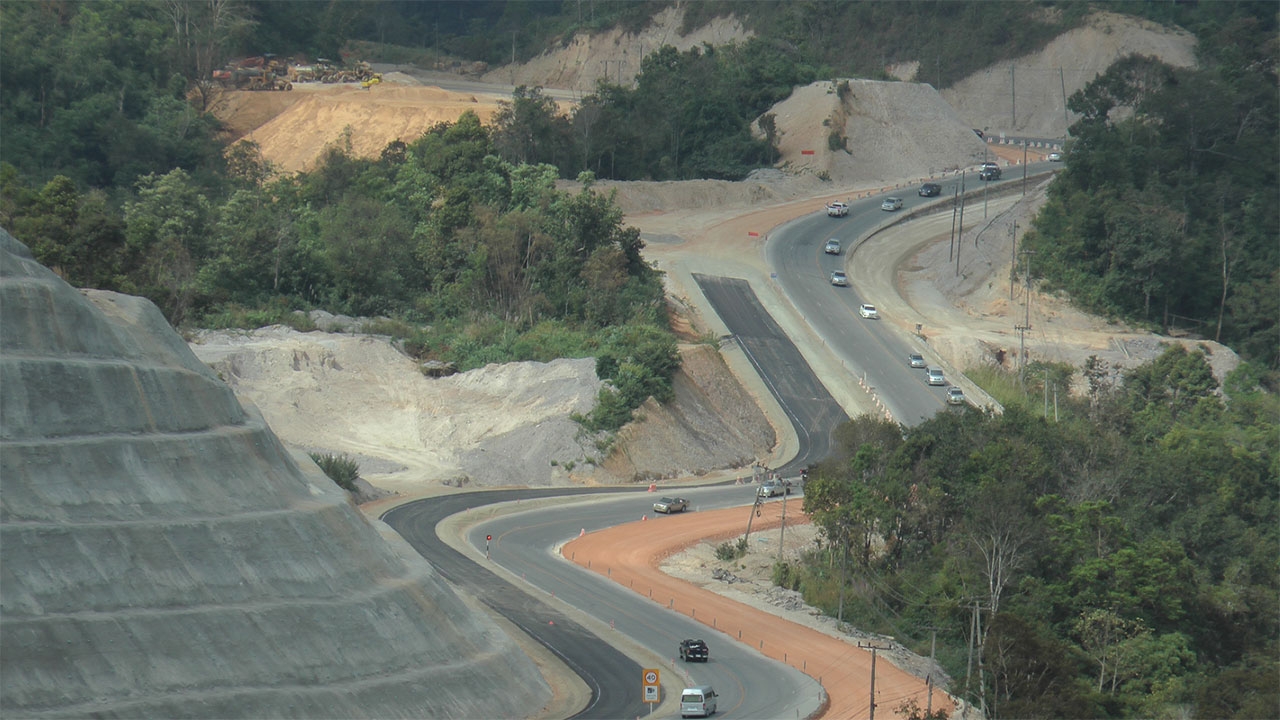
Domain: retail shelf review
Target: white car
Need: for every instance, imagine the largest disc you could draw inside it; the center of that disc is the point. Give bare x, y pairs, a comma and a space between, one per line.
891, 204
839, 279
837, 209
934, 376
1055, 157
867, 310
832, 247
772, 488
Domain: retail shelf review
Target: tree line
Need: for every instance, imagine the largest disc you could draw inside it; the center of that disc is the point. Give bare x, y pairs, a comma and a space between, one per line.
1166, 212
1119, 562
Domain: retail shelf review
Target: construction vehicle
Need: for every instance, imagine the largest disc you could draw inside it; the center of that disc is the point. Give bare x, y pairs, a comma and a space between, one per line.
262, 72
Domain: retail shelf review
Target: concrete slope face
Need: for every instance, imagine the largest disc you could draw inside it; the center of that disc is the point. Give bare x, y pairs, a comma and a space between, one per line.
162, 555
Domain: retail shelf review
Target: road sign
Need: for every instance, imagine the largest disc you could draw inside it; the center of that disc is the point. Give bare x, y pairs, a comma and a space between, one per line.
651, 679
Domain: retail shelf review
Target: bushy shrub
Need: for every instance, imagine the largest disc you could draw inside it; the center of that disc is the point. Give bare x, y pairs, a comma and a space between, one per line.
785, 576
342, 469
731, 550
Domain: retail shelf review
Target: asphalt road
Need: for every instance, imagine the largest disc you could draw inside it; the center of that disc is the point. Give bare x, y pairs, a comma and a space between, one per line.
608, 672
813, 412
871, 350
750, 685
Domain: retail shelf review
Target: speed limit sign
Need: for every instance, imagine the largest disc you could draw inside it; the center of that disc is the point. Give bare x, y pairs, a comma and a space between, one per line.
651, 677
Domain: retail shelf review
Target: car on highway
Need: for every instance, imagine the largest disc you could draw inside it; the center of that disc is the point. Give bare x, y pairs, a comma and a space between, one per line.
832, 247
694, 651
930, 190
934, 376
670, 505
837, 209
989, 173
773, 487
867, 310
839, 279
955, 396
1055, 157
915, 360
891, 204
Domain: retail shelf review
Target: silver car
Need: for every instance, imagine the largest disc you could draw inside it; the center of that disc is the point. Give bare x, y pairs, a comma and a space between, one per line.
915, 360
934, 376
955, 396
839, 279
893, 203
671, 505
832, 247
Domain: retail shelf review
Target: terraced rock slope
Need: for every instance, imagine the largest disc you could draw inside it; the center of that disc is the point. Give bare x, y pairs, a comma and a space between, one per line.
163, 555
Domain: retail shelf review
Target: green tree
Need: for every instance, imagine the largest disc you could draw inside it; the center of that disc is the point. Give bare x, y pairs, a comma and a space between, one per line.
166, 232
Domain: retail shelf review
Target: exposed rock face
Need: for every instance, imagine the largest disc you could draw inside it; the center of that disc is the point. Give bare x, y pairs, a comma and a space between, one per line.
162, 555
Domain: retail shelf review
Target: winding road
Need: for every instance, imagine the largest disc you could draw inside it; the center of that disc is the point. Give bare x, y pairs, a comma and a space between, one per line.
763, 667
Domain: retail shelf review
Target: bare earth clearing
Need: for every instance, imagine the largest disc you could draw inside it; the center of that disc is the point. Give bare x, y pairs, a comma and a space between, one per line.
509, 425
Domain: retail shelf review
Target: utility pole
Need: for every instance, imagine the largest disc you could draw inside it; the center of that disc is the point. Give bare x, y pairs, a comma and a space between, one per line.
1024, 167
1013, 102
844, 564
873, 650
782, 536
961, 223
933, 647
1066, 120
1026, 322
955, 205
1013, 257
755, 513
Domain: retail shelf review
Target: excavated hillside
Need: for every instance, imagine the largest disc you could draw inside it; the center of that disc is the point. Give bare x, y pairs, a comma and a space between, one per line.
165, 556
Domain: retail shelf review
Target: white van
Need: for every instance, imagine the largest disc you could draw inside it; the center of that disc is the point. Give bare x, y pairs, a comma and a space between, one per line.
698, 701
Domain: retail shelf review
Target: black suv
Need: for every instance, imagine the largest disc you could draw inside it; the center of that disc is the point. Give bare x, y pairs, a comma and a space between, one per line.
930, 189
989, 173
694, 651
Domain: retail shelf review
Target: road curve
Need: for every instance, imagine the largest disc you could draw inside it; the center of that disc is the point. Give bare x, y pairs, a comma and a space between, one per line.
630, 556
604, 669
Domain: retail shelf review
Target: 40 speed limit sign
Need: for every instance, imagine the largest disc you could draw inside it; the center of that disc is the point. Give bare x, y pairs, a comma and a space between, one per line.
650, 681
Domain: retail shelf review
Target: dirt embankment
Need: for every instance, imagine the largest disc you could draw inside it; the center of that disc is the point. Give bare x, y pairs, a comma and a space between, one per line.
889, 134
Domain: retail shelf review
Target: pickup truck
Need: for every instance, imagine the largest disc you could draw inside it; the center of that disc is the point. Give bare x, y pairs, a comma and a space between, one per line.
837, 209
694, 651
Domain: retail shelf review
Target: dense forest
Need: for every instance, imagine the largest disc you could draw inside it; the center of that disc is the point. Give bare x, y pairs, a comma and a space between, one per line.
1167, 214
1119, 561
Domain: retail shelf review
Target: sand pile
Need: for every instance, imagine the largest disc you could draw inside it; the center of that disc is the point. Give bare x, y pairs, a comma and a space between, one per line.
354, 394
